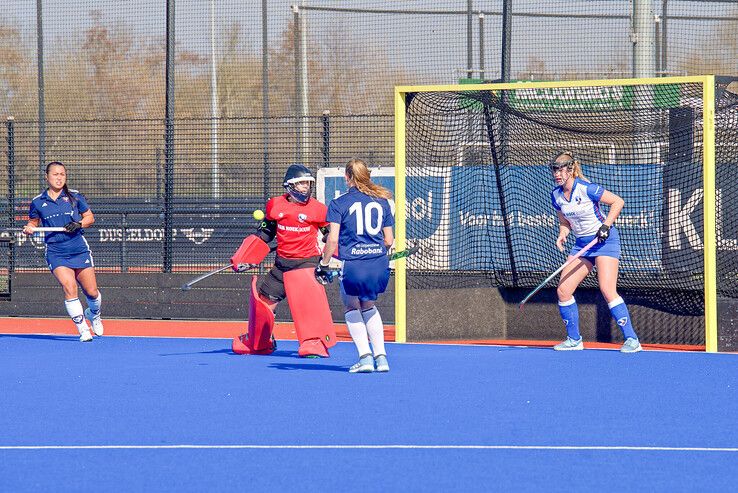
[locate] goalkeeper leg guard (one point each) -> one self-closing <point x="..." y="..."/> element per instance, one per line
<point x="310" y="312"/>
<point x="259" y="339"/>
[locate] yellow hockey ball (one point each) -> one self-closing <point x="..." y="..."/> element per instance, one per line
<point x="258" y="214"/>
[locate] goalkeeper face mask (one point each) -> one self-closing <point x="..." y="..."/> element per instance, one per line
<point x="561" y="169"/>
<point x="297" y="173"/>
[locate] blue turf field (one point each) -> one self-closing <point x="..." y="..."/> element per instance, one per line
<point x="446" y="418"/>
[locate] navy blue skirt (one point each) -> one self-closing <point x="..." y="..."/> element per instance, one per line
<point x="74" y="254"/>
<point x="366" y="278"/>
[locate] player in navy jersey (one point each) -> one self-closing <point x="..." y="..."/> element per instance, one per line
<point x="67" y="253"/>
<point x="577" y="203"/>
<point x="361" y="229"/>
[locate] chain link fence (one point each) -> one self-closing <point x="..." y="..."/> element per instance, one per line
<point x="259" y="85"/>
<point x="120" y="167"/>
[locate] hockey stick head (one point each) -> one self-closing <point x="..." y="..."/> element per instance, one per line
<point x="405" y="253"/>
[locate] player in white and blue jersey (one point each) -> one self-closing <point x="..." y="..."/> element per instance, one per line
<point x="361" y="229"/>
<point x="67" y="253"/>
<point x="577" y="203"/>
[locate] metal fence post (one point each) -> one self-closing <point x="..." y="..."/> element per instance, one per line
<point x="41" y="99"/>
<point x="326" y="138"/>
<point x="10" y="122"/>
<point x="265" y="92"/>
<point x="169" y="141"/>
<point x="481" y="46"/>
<point x="124" y="226"/>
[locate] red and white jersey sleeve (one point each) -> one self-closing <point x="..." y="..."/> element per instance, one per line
<point x="297" y="226"/>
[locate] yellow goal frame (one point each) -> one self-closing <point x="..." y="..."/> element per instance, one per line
<point x="708" y="163"/>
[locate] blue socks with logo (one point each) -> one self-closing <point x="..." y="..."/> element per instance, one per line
<point x="570" y="315"/>
<point x="619" y="312"/>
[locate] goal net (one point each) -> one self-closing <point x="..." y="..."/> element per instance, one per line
<point x="477" y="186"/>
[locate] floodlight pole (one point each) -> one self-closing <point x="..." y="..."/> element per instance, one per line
<point x="215" y="167"/>
<point x="469" y="39"/>
<point x="41" y="100"/>
<point x="481" y="46"/>
<point x="301" y="82"/>
<point x="265" y="92"/>
<point x="506" y="40"/>
<point x="643" y="37"/>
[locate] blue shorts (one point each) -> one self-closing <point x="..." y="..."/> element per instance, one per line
<point x="74" y="254"/>
<point x="366" y="278"/>
<point x="608" y="248"/>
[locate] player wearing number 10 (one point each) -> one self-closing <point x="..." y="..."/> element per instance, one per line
<point x="577" y="204"/>
<point x="361" y="228"/>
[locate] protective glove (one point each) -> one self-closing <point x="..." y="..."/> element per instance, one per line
<point x="603" y="233"/>
<point x="324" y="275"/>
<point x="72" y="227"/>
<point x="242" y="267"/>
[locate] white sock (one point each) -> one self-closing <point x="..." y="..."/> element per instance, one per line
<point x="94" y="303"/>
<point x="375" y="328"/>
<point x="75" y="311"/>
<point x="357" y="329"/>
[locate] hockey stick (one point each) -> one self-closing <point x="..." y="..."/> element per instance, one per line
<point x="334" y="273"/>
<point x="54" y="229"/>
<point x="188" y="286"/>
<point x="405" y="253"/>
<point x="557" y="271"/>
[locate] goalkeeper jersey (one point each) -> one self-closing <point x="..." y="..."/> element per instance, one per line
<point x="297" y="226"/>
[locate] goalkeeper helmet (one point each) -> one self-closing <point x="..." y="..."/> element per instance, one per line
<point x="297" y="173"/>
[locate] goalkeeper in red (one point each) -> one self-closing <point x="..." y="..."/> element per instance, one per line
<point x="294" y="219"/>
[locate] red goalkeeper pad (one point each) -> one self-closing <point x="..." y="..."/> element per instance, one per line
<point x="309" y="306"/>
<point x="252" y="251"/>
<point x="261" y="325"/>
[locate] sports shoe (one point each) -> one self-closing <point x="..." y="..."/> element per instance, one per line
<point x="85" y="335"/>
<point x="570" y="345"/>
<point x="381" y="362"/>
<point x="631" y="345"/>
<point x="364" y="365"/>
<point x="95" y="321"/>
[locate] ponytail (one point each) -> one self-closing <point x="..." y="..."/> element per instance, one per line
<point x="357" y="171"/>
<point x="577" y="171"/>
